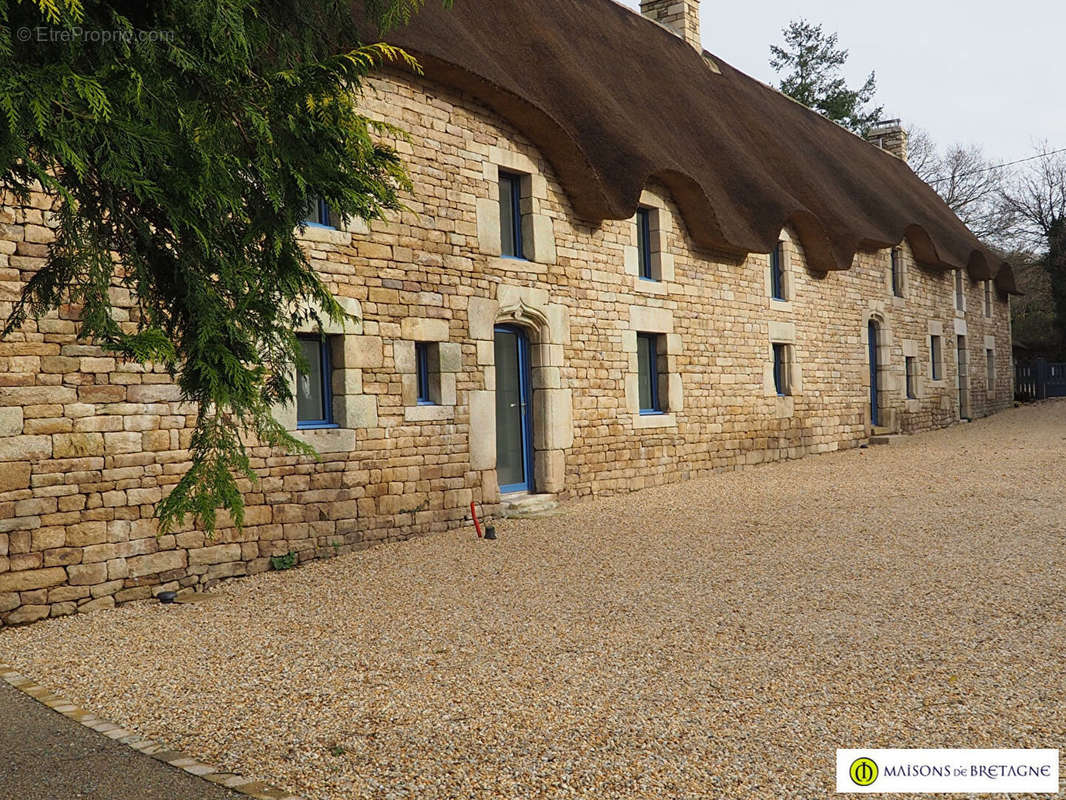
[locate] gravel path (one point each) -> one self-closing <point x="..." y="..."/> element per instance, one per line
<point x="718" y="638"/>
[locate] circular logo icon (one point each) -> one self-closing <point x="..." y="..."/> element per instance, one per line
<point x="863" y="771"/>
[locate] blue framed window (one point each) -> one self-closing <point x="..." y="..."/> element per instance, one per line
<point x="781" y="376"/>
<point x="777" y="272"/>
<point x="422" y="359"/>
<point x="936" y="354"/>
<point x="511" y="245"/>
<point x="314" y="390"/>
<point x="319" y="214"/>
<point x="897" y="273"/>
<point x="648" y="373"/>
<point x="644" y="244"/>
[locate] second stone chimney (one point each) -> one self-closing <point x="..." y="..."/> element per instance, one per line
<point x="680" y="16"/>
<point x="890" y="135"/>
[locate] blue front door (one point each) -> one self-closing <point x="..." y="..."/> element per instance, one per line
<point x="514" y="411"/>
<point x="875" y="414"/>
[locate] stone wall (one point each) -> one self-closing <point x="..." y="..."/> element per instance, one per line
<point x="88" y="445"/>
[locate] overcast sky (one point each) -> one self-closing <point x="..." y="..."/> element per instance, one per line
<point x="981" y="72"/>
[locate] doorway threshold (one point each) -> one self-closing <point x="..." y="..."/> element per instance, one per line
<point x="523" y="505"/>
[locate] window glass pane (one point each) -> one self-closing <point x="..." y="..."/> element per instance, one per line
<point x="310" y="396"/>
<point x="777" y="273"/>
<point x="781" y="369"/>
<point x="318" y="213"/>
<point x="647" y="370"/>
<point x="422" y="352"/>
<point x="934" y="346"/>
<point x="510" y="216"/>
<point x="644" y="242"/>
<point x="311" y="211"/>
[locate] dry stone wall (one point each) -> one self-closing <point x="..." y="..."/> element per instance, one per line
<point x="88" y="445"/>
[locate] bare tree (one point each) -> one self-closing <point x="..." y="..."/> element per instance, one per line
<point x="970" y="184"/>
<point x="923" y="155"/>
<point x="1036" y="196"/>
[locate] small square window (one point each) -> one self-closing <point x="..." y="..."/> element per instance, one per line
<point x="782" y="376"/>
<point x="423" y="358"/>
<point x="644" y="244"/>
<point x="936" y="357"/>
<point x="777" y="272"/>
<point x="511" y="245"/>
<point x="897" y="272"/>
<point x="314" y="397"/>
<point x="319" y="214"/>
<point x="648" y="373"/>
<point x="912" y="378"/>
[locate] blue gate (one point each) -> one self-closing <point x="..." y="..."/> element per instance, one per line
<point x="1040" y="380"/>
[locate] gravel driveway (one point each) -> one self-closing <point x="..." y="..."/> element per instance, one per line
<point x="718" y="638"/>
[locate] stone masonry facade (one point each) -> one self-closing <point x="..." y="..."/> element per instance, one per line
<point x="89" y="445"/>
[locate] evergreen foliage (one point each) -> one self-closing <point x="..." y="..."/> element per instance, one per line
<point x="813" y="65"/>
<point x="182" y="141"/>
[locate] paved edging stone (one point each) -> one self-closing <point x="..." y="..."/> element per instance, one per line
<point x="157" y="750"/>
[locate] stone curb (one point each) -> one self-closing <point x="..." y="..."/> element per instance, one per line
<point x="156" y="750"/>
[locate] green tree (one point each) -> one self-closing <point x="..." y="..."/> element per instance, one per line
<point x="812" y="65"/>
<point x="181" y="141"/>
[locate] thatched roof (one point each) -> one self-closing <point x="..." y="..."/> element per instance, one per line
<point x="613" y="100"/>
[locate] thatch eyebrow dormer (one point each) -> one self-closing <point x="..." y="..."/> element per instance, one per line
<point x="614" y="100"/>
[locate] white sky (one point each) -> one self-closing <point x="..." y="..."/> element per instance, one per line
<point x="970" y="72"/>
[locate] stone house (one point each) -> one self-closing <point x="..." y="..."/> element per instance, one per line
<point x="624" y="264"/>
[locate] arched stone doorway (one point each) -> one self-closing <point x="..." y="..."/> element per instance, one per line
<point x="521" y="338"/>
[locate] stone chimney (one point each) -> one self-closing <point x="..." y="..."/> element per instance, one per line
<point x="680" y="16"/>
<point x="890" y="135"/>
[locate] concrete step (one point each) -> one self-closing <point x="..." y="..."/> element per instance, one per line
<point x="526" y="506"/>
<point x="880" y="430"/>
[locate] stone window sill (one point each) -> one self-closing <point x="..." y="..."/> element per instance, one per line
<point x="784" y="406"/>
<point x="519" y="265"/>
<point x="428" y="413"/>
<point x="318" y="233"/>
<point x="327" y="440"/>
<point x="642" y="421"/>
<point x="649" y="286"/>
